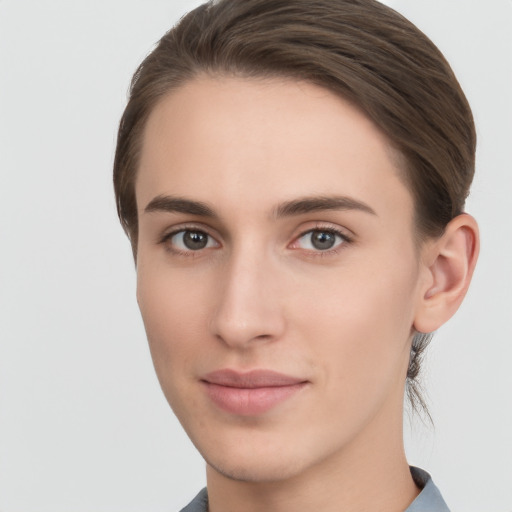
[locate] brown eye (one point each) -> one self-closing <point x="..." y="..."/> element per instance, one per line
<point x="192" y="240"/>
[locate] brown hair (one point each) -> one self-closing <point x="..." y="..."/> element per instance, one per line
<point x="360" y="49"/>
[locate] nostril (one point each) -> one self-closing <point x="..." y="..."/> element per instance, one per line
<point x="263" y="337"/>
<point x="242" y="339"/>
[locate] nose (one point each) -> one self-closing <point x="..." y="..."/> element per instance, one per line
<point x="249" y="304"/>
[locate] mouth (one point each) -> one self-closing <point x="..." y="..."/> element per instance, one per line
<point x="250" y="393"/>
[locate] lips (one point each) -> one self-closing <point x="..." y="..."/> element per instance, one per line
<point x="250" y="393"/>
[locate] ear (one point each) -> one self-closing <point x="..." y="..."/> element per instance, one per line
<point x="449" y="262"/>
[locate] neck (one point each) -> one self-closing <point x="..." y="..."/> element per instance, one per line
<point x="370" y="474"/>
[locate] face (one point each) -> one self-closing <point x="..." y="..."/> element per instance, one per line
<point x="277" y="274"/>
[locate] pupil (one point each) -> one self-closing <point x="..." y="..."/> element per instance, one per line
<point x="322" y="240"/>
<point x="195" y="240"/>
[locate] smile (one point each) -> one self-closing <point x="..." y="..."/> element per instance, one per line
<point x="250" y="393"/>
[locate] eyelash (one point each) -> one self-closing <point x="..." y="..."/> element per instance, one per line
<point x="345" y="239"/>
<point x="165" y="240"/>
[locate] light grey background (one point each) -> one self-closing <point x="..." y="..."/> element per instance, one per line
<point x="83" y="424"/>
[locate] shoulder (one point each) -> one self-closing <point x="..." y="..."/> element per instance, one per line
<point x="199" y="503"/>
<point x="429" y="499"/>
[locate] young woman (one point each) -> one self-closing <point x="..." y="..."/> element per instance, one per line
<point x="292" y="177"/>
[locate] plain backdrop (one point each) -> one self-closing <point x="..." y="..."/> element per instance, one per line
<point x="83" y="423"/>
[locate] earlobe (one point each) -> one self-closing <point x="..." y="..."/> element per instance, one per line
<point x="450" y="263"/>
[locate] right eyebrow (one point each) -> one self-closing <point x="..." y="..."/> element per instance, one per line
<point x="172" y="204"/>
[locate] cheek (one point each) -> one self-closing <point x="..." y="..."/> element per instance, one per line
<point x="173" y="307"/>
<point x="357" y="328"/>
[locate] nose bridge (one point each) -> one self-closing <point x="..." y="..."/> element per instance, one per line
<point x="248" y="307"/>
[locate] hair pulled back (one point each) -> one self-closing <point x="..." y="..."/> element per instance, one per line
<point x="359" y="49"/>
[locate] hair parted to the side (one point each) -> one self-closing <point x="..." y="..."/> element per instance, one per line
<point x="359" y="49"/>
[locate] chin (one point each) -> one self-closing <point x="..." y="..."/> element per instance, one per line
<point x="258" y="458"/>
<point x="263" y="470"/>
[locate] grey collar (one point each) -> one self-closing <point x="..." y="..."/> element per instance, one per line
<point x="428" y="500"/>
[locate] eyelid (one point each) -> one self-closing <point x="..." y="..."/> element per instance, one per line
<point x="346" y="235"/>
<point x="165" y="238"/>
<point x="187" y="226"/>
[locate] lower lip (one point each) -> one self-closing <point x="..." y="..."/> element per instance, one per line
<point x="250" y="401"/>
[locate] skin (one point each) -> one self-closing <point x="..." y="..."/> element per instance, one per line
<point x="261" y="295"/>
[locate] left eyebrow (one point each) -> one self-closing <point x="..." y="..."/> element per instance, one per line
<point x="318" y="203"/>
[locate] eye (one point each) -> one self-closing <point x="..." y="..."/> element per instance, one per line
<point x="188" y="240"/>
<point x="320" y="240"/>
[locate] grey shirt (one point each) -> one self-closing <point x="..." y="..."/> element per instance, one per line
<point x="428" y="500"/>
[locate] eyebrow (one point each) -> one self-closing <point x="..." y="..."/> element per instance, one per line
<point x="173" y="204"/>
<point x="318" y="203"/>
<point x="301" y="206"/>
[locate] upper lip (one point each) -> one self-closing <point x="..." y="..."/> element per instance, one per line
<point x="251" y="379"/>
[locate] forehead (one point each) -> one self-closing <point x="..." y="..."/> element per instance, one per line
<point x="248" y="144"/>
